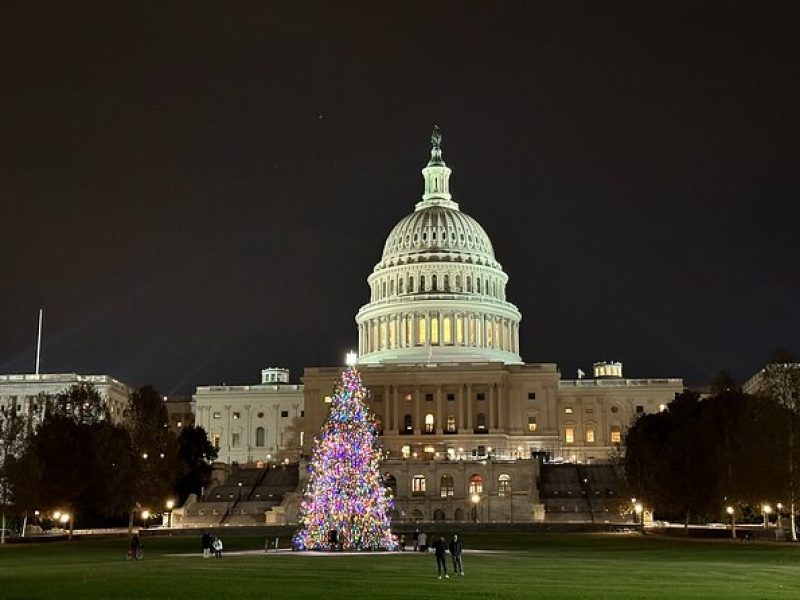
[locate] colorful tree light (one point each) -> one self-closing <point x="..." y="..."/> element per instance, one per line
<point x="345" y="492"/>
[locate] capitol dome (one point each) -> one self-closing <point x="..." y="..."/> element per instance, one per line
<point x="438" y="293"/>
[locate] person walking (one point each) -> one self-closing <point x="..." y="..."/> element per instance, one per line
<point x="206" y="542"/>
<point x="217" y="545"/>
<point x="135" y="552"/>
<point x="415" y="539"/>
<point x="440" y="548"/>
<point x="455" y="552"/>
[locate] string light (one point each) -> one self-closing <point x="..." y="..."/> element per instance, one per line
<point x="345" y="492"/>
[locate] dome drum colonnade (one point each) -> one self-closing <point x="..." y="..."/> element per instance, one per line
<point x="438" y="293"/>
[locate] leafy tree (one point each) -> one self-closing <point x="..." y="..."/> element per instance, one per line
<point x="779" y="380"/>
<point x="81" y="403"/>
<point x="156" y="451"/>
<point x="724" y="382"/>
<point x="195" y="455"/>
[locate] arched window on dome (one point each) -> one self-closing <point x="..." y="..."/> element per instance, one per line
<point x="472" y="330"/>
<point x="408" y="329"/>
<point x="391" y="287"/>
<point x="478" y="285"/>
<point x="383" y="289"/>
<point x="459" y="330"/>
<point x="489" y="334"/>
<point x="469" y="284"/>
<point x="446" y="283"/>
<point x="411" y="285"/>
<point x="383" y="335"/>
<point x="435" y="330"/>
<point x="422" y="283"/>
<point x="458" y="283"/>
<point x="422" y="331"/>
<point x="400" y="285"/>
<point x="447" y="330"/>
<point x="433" y="283"/>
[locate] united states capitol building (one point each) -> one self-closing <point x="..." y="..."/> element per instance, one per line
<point x="464" y="422"/>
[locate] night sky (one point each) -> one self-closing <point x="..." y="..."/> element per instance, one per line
<point x="195" y="191"/>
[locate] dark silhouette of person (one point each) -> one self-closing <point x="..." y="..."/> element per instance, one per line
<point x="455" y="552"/>
<point x="440" y="548"/>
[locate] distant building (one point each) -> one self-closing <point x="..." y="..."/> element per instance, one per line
<point x="23" y="393"/>
<point x="252" y="424"/>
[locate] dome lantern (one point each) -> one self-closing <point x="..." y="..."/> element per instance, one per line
<point x="437" y="177"/>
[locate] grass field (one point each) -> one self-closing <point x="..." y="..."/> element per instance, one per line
<point x="541" y="566"/>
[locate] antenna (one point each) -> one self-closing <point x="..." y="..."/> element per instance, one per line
<point x="39" y="341"/>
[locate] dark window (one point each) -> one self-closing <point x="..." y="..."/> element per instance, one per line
<point x="481" y="396"/>
<point x="451" y="396"/>
<point x="284" y="413"/>
<point x="640" y="409"/>
<point x="429" y="397"/>
<point x="376" y="397"/>
<point x="302" y="413"/>
<point x="531" y="395"/>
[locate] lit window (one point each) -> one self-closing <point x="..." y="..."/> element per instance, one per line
<point x="446" y="486"/>
<point x="459" y="330"/>
<point x="422" y="331"/>
<point x="590" y="435"/>
<point x="475" y="484"/>
<point x="451" y="423"/>
<point x="418" y="485"/>
<point x="532" y="424"/>
<point x="569" y="435"/>
<point x="662" y="407"/>
<point x="429" y="423"/>
<point x="429" y="450"/>
<point x="448" y="330"/>
<point x="237" y="415"/>
<point x="328" y="400"/>
<point x="568" y="410"/>
<point x="489" y="334"/>
<point x="216" y="441"/>
<point x="616" y="434"/>
<point x="408" y="331"/>
<point x="179" y="424"/>
<point x="504" y="485"/>
<point x="435" y="331"/>
<point x="216" y="415"/>
<point x="408" y="398"/>
<point x="406" y="451"/>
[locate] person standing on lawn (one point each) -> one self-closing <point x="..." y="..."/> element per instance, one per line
<point x="455" y="552"/>
<point x="440" y="549"/>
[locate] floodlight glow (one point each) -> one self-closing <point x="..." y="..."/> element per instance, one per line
<point x="145" y="514"/>
<point x="729" y="510"/>
<point x="351" y="358"/>
<point x="170" y="504"/>
<point x="476" y="498"/>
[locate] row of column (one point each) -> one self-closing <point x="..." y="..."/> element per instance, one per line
<point x="438" y="329"/>
<point x="395" y="407"/>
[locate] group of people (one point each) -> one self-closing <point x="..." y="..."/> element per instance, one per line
<point x="211" y="544"/>
<point x="440" y="548"/>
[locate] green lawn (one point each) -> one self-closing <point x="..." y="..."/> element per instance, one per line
<point x="531" y="566"/>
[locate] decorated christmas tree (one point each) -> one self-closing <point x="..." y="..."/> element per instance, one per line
<point x="345" y="493"/>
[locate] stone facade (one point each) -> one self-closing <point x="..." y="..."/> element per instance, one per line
<point x="252" y="424"/>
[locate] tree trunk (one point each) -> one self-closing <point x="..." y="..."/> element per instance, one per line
<point x="686" y="522"/>
<point x="24" y="524"/>
<point x="3" y="527"/>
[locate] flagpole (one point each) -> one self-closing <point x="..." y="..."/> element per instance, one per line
<point x="39" y="341"/>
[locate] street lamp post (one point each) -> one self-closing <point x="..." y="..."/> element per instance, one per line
<point x="170" y="506"/>
<point x="476" y="500"/>
<point x="731" y="514"/>
<point x="638" y="509"/>
<point x="145" y="516"/>
<point x="767" y="509"/>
